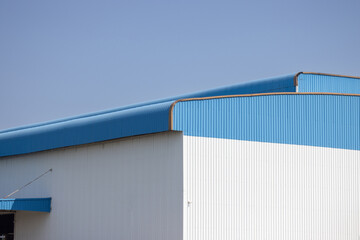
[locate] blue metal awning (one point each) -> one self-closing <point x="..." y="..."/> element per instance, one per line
<point x="26" y="204"/>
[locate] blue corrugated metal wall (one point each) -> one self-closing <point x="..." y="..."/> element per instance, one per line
<point x="325" y="83"/>
<point x="315" y="120"/>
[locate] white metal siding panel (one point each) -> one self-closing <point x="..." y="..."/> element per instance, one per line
<point x="252" y="190"/>
<point x="123" y="189"/>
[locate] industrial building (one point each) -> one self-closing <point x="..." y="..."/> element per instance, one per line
<point x="273" y="159"/>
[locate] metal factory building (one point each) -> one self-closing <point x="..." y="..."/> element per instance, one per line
<point x="274" y="159"/>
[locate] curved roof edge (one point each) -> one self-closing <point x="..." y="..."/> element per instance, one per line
<point x="275" y="84"/>
<point x="130" y="122"/>
<point x="137" y="119"/>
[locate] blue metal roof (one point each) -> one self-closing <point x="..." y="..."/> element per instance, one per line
<point x="144" y="118"/>
<point x="276" y="84"/>
<point x="26" y="204"/>
<point x="127" y="121"/>
<point x="82" y="130"/>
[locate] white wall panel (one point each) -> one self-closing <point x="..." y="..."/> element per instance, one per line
<point x="124" y="189"/>
<point x="250" y="190"/>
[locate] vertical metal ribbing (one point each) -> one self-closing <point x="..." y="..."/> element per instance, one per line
<point x="251" y="190"/>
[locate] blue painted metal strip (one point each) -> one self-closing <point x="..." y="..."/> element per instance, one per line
<point x="130" y="122"/>
<point x="308" y="82"/>
<point x="314" y="120"/>
<point x="26" y="204"/>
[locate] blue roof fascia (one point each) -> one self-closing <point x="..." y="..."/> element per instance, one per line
<point x="26" y="204"/>
<point x="130" y="122"/>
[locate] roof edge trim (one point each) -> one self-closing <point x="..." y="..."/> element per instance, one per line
<point x="171" y="109"/>
<point x="296" y="83"/>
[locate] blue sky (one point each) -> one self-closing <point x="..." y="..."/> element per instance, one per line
<point x="64" y="58"/>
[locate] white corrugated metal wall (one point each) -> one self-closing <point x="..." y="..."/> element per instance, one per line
<point x="124" y="189"/>
<point x="233" y="189"/>
<point x="237" y="189"/>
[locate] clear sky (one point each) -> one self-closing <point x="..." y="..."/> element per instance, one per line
<point x="68" y="57"/>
